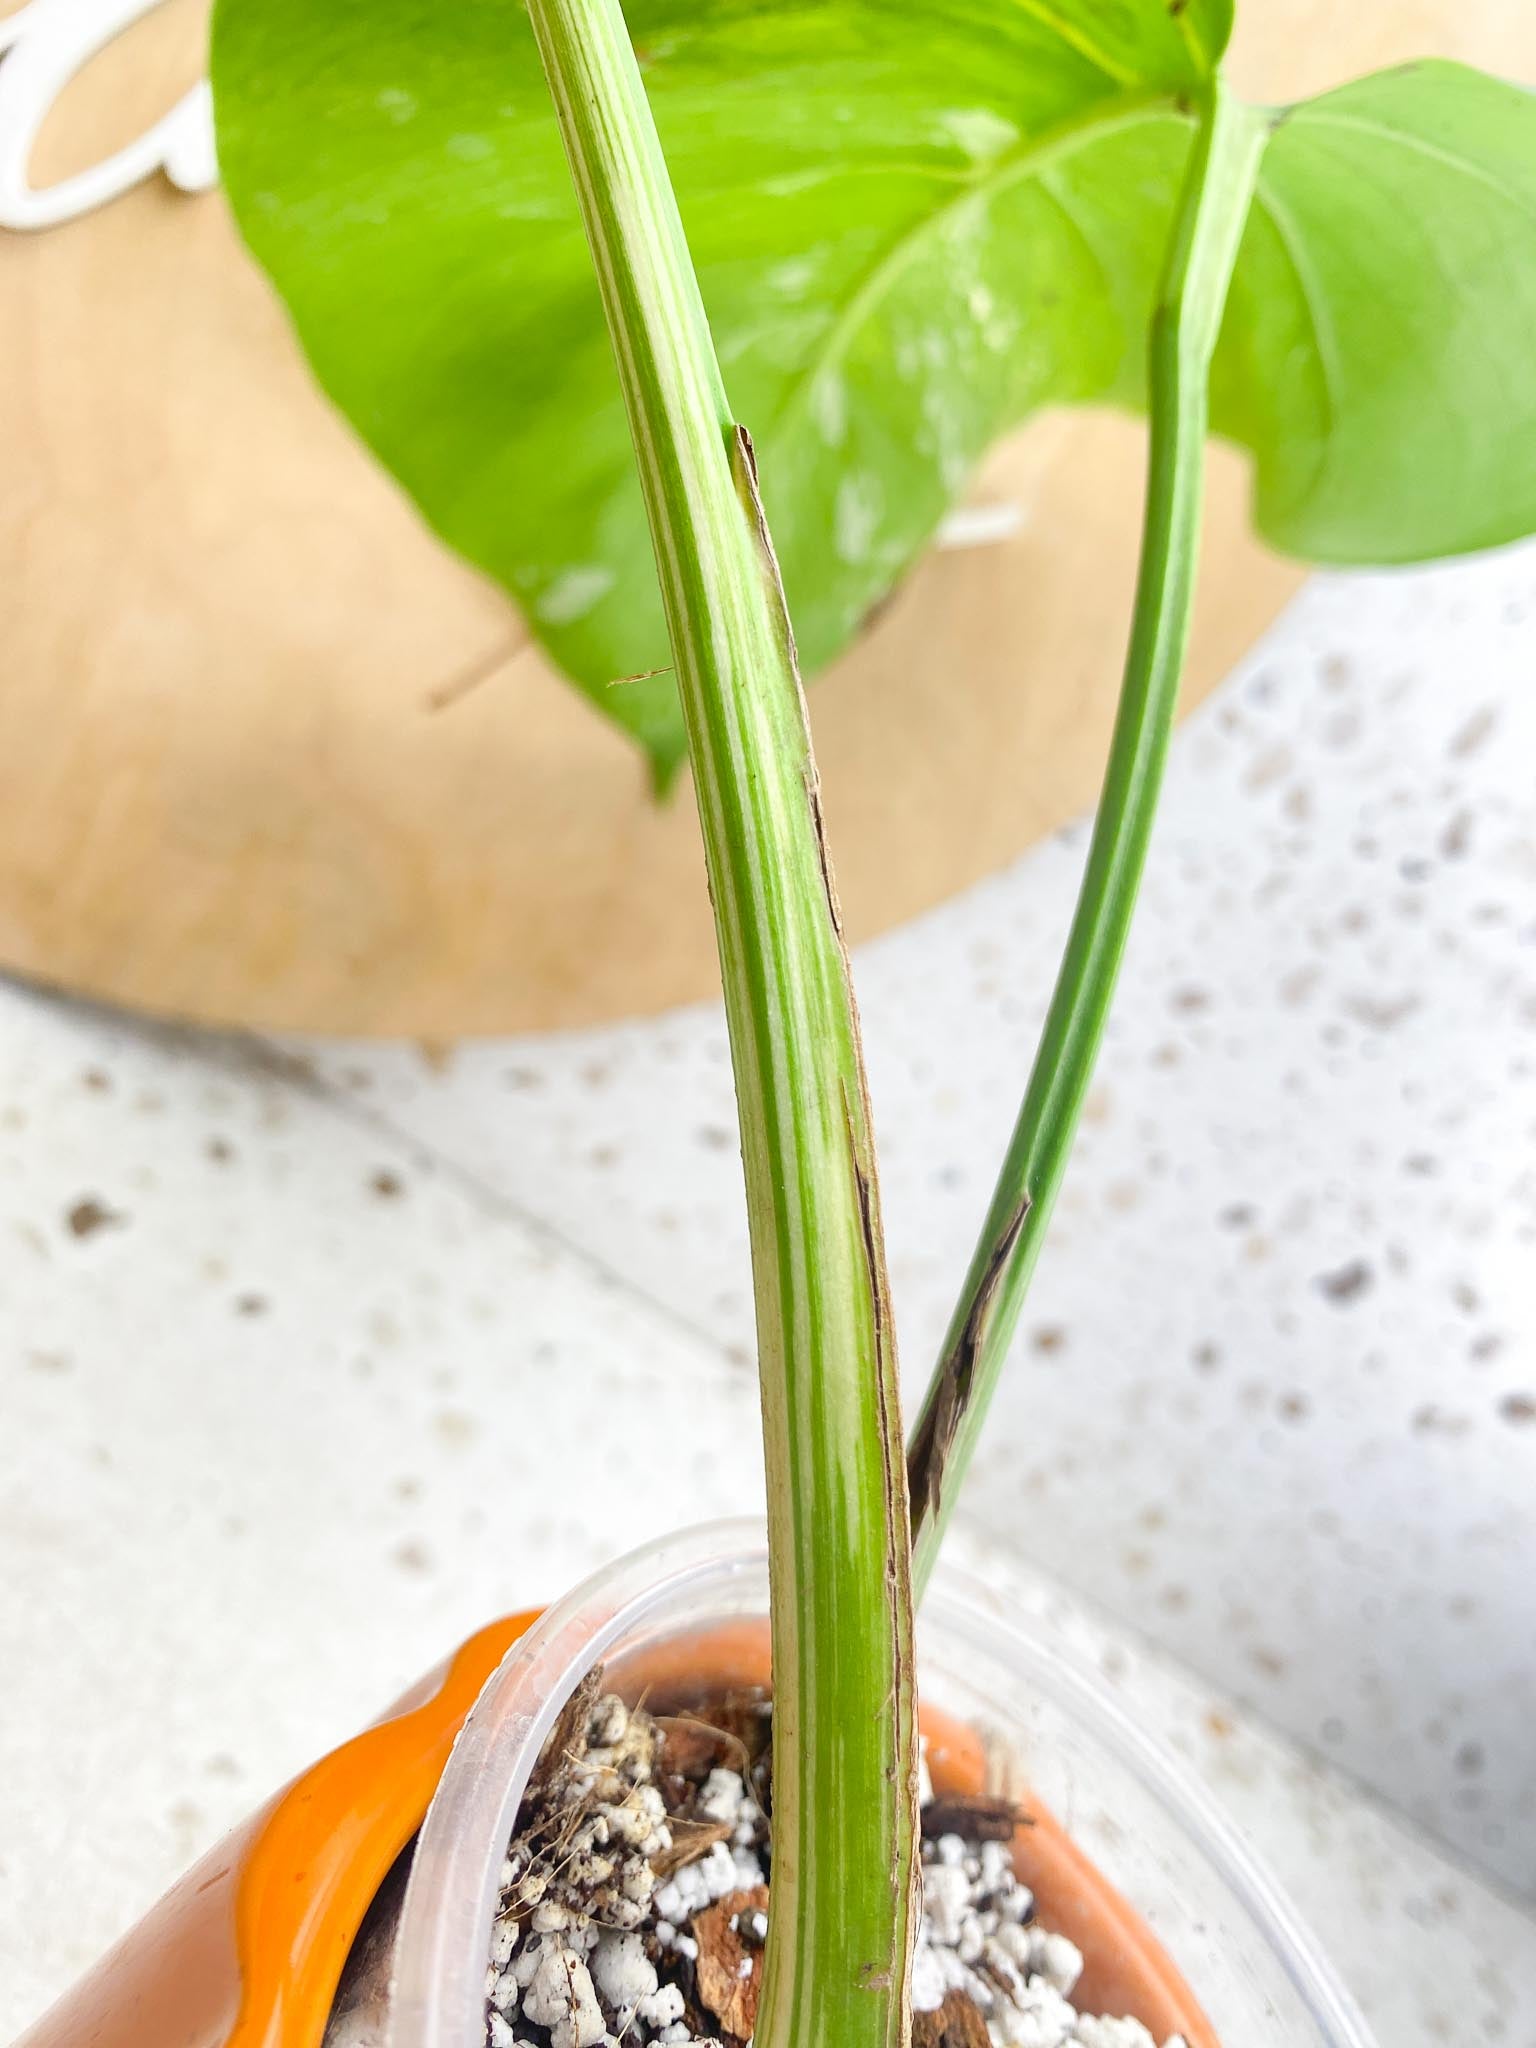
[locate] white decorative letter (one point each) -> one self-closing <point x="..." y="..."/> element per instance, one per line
<point x="42" y="46"/>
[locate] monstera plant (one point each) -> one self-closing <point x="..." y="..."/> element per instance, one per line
<point x="896" y="231"/>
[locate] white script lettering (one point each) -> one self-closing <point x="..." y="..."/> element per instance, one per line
<point x="43" y="45"/>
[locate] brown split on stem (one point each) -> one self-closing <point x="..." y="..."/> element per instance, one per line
<point x="879" y="1300"/>
<point x="813" y="797"/>
<point x="881" y="1973"/>
<point x="744" y="463"/>
<point x="744" y="466"/>
<point x="955" y="1386"/>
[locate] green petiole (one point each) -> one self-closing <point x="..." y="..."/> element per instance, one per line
<point x="844" y="1739"/>
<point x="1213" y="209"/>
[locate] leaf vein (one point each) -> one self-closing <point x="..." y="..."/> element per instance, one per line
<point x="1075" y="39"/>
<point x="1032" y="158"/>
<point x="1313" y="305"/>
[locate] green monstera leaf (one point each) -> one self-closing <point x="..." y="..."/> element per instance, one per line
<point x="913" y="226"/>
<point x="1377" y="354"/>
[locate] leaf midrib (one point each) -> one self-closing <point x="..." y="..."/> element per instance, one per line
<point x="1268" y="202"/>
<point x="1029" y="159"/>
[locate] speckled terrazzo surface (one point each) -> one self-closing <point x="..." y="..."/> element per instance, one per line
<point x="252" y="1305"/>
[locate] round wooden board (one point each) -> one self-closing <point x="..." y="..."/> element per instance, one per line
<point x="273" y="758"/>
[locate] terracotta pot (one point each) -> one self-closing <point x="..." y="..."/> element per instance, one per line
<point x="274" y="758"/>
<point x="249" y="1949"/>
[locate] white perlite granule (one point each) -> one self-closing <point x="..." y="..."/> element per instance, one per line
<point x="978" y="1935"/>
<point x="568" y="1967"/>
<point x="586" y="1932"/>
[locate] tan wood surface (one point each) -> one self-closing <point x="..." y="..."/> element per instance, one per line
<point x="270" y="756"/>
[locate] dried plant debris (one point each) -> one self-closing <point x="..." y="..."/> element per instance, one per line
<point x="728" y="1970"/>
<point x="973" y="1816"/>
<point x="954" y="2023"/>
<point x="635" y="1899"/>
